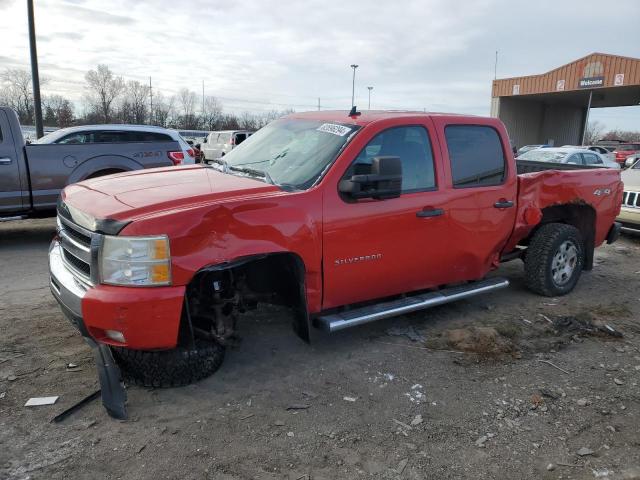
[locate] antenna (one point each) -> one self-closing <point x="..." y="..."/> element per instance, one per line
<point x="354" y="112"/>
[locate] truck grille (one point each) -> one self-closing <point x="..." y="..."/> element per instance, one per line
<point x="76" y="249"/>
<point x="631" y="199"/>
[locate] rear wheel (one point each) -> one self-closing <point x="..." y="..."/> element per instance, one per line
<point x="554" y="260"/>
<point x="170" y="368"/>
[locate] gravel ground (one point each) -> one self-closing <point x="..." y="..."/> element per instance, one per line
<point x="545" y="393"/>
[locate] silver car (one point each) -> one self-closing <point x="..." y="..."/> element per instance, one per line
<point x="93" y="134"/>
<point x="218" y="144"/>
<point x="569" y="155"/>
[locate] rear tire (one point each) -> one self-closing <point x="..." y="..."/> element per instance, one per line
<point x="169" y="368"/>
<point x="554" y="260"/>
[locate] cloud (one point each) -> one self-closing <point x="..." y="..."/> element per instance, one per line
<point x="267" y="54"/>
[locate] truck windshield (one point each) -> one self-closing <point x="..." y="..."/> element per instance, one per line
<point x="288" y="152"/>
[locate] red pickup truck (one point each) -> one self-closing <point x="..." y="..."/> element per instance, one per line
<point x="344" y="217"/>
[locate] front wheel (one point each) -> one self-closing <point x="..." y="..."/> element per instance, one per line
<point x="554" y="260"/>
<point x="170" y="368"/>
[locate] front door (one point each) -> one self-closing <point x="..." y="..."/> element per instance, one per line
<point x="377" y="248"/>
<point x="10" y="180"/>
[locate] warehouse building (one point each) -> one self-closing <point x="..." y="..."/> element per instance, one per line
<point x="553" y="108"/>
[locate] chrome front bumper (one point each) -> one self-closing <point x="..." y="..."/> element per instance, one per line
<point x="66" y="289"/>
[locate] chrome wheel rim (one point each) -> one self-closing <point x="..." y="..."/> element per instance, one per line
<point x="564" y="263"/>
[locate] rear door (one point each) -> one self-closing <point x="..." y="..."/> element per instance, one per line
<point x="11" y="188"/>
<point x="377" y="248"/>
<point x="481" y="180"/>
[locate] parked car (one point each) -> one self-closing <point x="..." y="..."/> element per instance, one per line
<point x="630" y="211"/>
<point x="195" y="144"/>
<point x="31" y="176"/>
<point x="569" y="155"/>
<point x="624" y="150"/>
<point x="218" y="144"/>
<point x="527" y="148"/>
<point x="606" y="152"/>
<point x="91" y="134"/>
<point x="344" y="219"/>
<point x="631" y="160"/>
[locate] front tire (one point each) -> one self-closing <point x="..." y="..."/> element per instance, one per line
<point x="169" y="368"/>
<point x="554" y="260"/>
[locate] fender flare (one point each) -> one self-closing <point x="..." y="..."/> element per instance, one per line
<point x="103" y="162"/>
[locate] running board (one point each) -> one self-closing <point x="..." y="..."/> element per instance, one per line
<point x="11" y="219"/>
<point x="358" y="316"/>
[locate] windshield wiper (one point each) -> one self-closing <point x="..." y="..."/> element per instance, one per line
<point x="223" y="162"/>
<point x="253" y="172"/>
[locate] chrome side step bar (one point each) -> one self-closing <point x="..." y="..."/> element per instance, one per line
<point x="358" y="316"/>
<point x="11" y="219"/>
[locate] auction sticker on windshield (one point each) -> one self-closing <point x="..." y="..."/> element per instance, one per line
<point x="339" y="130"/>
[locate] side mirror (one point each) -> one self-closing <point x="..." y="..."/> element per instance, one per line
<point x="197" y="145"/>
<point x="629" y="162"/>
<point x="384" y="181"/>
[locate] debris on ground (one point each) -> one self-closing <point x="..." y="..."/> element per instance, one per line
<point x="584" y="451"/>
<point x="298" y="406"/>
<point x="349" y="399"/>
<point x="417" y="420"/>
<point x="617" y="381"/>
<point x="77" y="406"/>
<point x="39" y="401"/>
<point x="410" y="332"/>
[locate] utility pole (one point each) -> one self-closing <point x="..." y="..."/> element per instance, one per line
<point x="203" y="97"/>
<point x="35" y="78"/>
<point x="318" y="103"/>
<point x="495" y="67"/>
<point x="151" y="102"/>
<point x="370" y="88"/>
<point x="353" y="85"/>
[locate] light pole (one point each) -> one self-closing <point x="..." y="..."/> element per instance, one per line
<point x="353" y="85"/>
<point x="370" y="88"/>
<point x="34" y="71"/>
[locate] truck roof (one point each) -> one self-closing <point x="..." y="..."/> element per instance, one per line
<point x="368" y="116"/>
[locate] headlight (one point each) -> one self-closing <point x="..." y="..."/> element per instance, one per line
<point x="135" y="261"/>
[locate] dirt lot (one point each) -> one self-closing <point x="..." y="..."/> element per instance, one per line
<point x="545" y="383"/>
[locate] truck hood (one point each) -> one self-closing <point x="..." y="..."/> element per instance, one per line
<point x="129" y="195"/>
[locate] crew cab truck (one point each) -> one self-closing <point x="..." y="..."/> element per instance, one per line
<point x="31" y="176"/>
<point x="344" y="218"/>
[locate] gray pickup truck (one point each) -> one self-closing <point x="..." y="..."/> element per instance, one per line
<point x="31" y="176"/>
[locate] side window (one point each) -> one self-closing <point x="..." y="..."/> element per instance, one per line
<point x="110" y="136"/>
<point x="413" y="147"/>
<point x="591" y="159"/>
<point x="79" y="137"/>
<point x="240" y="137"/>
<point x="476" y="156"/>
<point x="575" y="159"/>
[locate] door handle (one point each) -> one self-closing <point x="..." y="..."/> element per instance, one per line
<point x="430" y="212"/>
<point x="5" y="160"/>
<point x="502" y="203"/>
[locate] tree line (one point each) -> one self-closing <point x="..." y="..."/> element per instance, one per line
<point x="108" y="98"/>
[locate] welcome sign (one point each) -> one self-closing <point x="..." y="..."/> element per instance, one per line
<point x="591" y="82"/>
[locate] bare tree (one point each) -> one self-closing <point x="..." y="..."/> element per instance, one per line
<point x="103" y="88"/>
<point x="18" y="94"/>
<point x="593" y="133"/>
<point x="58" y="111"/>
<point x="163" y="110"/>
<point x="212" y="113"/>
<point x="187" y="100"/>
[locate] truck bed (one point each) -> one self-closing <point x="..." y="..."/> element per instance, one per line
<point x="531" y="166"/>
<point x="540" y="188"/>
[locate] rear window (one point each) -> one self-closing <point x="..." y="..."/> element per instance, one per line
<point x="476" y="155"/>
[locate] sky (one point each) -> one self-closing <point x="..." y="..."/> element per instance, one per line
<point x="262" y="55"/>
